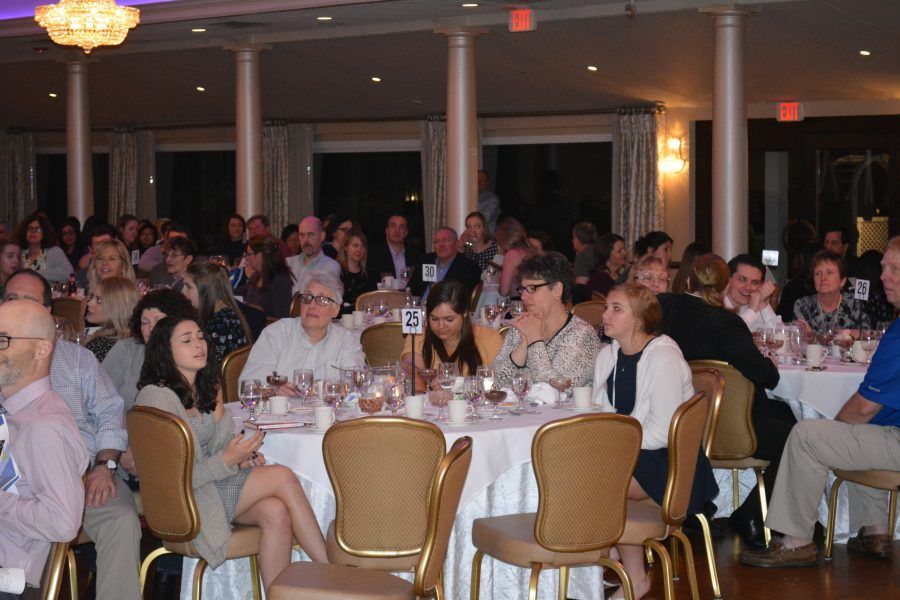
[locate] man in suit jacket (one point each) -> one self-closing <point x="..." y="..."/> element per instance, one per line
<point x="708" y="332"/>
<point x="448" y="262"/>
<point x="391" y="257"/>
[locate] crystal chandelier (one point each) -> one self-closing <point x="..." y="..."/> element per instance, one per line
<point x="87" y="23"/>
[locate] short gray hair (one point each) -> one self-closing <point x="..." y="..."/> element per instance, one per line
<point x="448" y="228"/>
<point x="323" y="278"/>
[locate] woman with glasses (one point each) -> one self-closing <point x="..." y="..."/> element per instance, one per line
<point x="232" y="483"/>
<point x="69" y="233"/>
<point x="109" y="259"/>
<point x="651" y="273"/>
<point x="310" y="341"/>
<point x="110" y="306"/>
<point x="269" y="287"/>
<point x="449" y="335"/>
<point x="207" y="288"/>
<point x="179" y="254"/>
<point x="37" y="239"/>
<point x="547" y="341"/>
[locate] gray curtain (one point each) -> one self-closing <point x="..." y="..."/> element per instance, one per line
<point x="123" y="173"/>
<point x="636" y="174"/>
<point x="18" y="190"/>
<point x="276" y="178"/>
<point x="434" y="174"/>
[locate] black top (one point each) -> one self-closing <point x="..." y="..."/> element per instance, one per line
<point x="356" y="284"/>
<point x="275" y="300"/>
<point x="381" y="260"/>
<point x="621" y="386"/>
<point x="232" y="250"/>
<point x="461" y="269"/>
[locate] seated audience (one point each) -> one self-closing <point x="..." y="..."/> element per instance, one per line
<point x="127" y="232"/>
<point x="512" y="242"/>
<point x="448" y="262"/>
<point x="147" y="237"/>
<point x="611" y="261"/>
<point x="124" y="362"/>
<point x="651" y="273"/>
<point x="356" y="277"/>
<point x="748" y="293"/>
<point x="643" y="375"/>
<point x="69" y="234"/>
<point x="40" y="252"/>
<point x="96" y="235"/>
<point x="450" y="335"/>
<point x="10" y="257"/>
<point x="179" y="252"/>
<point x="109" y="259"/>
<point x="269" y="288"/>
<point x="232" y="483"/>
<point x="310" y="341"/>
<point x="335" y="231"/>
<point x="258" y="225"/>
<point x="483" y="248"/>
<point x="800" y="283"/>
<point x="206" y="286"/>
<point x="153" y="257"/>
<point x="830" y="307"/>
<point x="46" y="503"/>
<point x="704" y="330"/>
<point x="290" y="235"/>
<point x="311" y="257"/>
<point x="109" y="307"/>
<point x="547" y="340"/>
<point x="690" y="254"/>
<point x="655" y="243"/>
<point x="540" y="242"/>
<point x="394" y="255"/>
<point x="864" y="435"/>
<point x="584" y="242"/>
<point x="231" y="242"/>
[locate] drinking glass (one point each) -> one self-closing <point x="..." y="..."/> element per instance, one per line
<point x="427" y="376"/>
<point x="827" y="336"/>
<point x="382" y="308"/>
<point x="845" y="343"/>
<point x="503" y="303"/>
<point x="521" y="383"/>
<point x="303" y="382"/>
<point x="491" y="311"/>
<point x="371" y="404"/>
<point x="394" y="397"/>
<point x="882" y="328"/>
<point x="60" y="325"/>
<point x="439" y="398"/>
<point x="369" y="314"/>
<point x="331" y="393"/>
<point x="405" y="275"/>
<point x="447" y="372"/>
<point x="472" y="391"/>
<point x="765" y="334"/>
<point x="495" y="397"/>
<point x="869" y="340"/>
<point x="560" y="384"/>
<point x="516" y="308"/>
<point x="250" y="395"/>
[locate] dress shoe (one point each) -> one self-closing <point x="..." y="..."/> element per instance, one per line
<point x="750" y="530"/>
<point x="776" y="555"/>
<point x="878" y="545"/>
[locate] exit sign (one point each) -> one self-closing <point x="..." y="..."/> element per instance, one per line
<point x="789" y="111"/>
<point x="522" y="19"/>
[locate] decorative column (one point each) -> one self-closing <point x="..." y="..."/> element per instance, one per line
<point x="79" y="172"/>
<point x="462" y="126"/>
<point x="248" y="130"/>
<point x="729" y="148"/>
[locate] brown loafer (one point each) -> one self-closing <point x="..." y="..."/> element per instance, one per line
<point x="878" y="545"/>
<point x="776" y="555"/>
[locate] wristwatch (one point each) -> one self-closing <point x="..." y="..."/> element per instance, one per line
<point x="112" y="465"/>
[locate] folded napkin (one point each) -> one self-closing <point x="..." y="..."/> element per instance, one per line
<point x="540" y="393"/>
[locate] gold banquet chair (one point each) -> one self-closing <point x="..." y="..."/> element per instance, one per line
<point x="51" y="581"/>
<point x="733" y="442"/>
<point x="329" y="581"/>
<point x="649" y="524"/>
<point x="581" y="502"/>
<point x="164" y="455"/>
<point x="382" y="343"/>
<point x="392" y="298"/>
<point x="294" y="310"/>
<point x="231" y="368"/>
<point x="591" y="311"/>
<point x="873" y="478"/>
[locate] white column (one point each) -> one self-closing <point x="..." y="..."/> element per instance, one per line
<point x="729" y="148"/>
<point x="79" y="172"/>
<point x="248" y="130"/>
<point x="462" y="127"/>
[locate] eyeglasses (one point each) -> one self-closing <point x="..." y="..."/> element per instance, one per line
<point x="320" y="300"/>
<point x="647" y="278"/>
<point x="530" y="288"/>
<point x="5" y="339"/>
<point x="172" y="255"/>
<point x="35" y="229"/>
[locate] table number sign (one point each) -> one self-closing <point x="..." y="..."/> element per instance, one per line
<point x="411" y="320"/>
<point x="429" y="273"/>
<point x="861" y="289"/>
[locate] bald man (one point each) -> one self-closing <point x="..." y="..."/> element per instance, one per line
<point x="47" y="502"/>
<point x="311" y="257"/>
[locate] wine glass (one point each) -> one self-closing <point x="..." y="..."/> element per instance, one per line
<point x="382" y="308"/>
<point x="827" y="335"/>
<point x="503" y="303"/>
<point x="394" y="397"/>
<point x="303" y="382"/>
<point x="765" y="334"/>
<point x="495" y="397"/>
<point x="371" y="404"/>
<point x="439" y="398"/>
<point x="774" y="344"/>
<point x="369" y="314"/>
<point x="485" y="377"/>
<point x="447" y="372"/>
<point x="869" y="341"/>
<point x="881" y="327"/>
<point x="516" y="308"/>
<point x="521" y="383"/>
<point x="560" y="384"/>
<point x="405" y="275"/>
<point x="331" y="393"/>
<point x="491" y="311"/>
<point x="250" y="395"/>
<point x="60" y="325"/>
<point x="845" y="343"/>
<point x="427" y="376"/>
<point x="472" y="391"/>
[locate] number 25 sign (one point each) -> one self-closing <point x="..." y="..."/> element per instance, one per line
<point x="411" y="320"/>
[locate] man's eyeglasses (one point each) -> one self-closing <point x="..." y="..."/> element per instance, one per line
<point x="530" y="288"/>
<point x="647" y="278"/>
<point x="320" y="300"/>
<point x="171" y="255"/>
<point x="5" y="339"/>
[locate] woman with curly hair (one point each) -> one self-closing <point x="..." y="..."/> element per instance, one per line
<point x="40" y="252"/>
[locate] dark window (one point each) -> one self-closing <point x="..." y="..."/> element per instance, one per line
<point x="50" y="179"/>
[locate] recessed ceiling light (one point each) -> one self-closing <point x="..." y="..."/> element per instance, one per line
<point x="323" y="18"/>
<point x="52" y="94"/>
<point x="470" y="5"/>
<point x="200" y="88"/>
<point x="376" y="79"/>
<point x="591" y="68"/>
<point x="198" y="30"/>
<point x="865" y="52"/>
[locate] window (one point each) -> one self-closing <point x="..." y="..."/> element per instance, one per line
<point x="52" y="193"/>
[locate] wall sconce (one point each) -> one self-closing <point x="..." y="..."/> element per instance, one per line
<point x="671" y="161"/>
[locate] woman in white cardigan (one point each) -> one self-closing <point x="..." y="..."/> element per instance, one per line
<point x="645" y="376"/>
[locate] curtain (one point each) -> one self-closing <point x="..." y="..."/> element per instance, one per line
<point x="123" y="168"/>
<point x="434" y="174"/>
<point x="300" y="167"/>
<point x="19" y="191"/>
<point x="276" y="178"/>
<point x="636" y="173"/>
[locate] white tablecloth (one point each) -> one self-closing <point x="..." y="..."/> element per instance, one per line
<point x="500" y="481"/>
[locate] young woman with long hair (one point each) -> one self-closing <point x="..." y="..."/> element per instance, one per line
<point x="110" y="306"/>
<point x="356" y="277"/>
<point x="207" y="288"/>
<point x="269" y="287"/>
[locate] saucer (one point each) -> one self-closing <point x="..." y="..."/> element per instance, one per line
<point x="448" y="422"/>
<point x="585" y="409"/>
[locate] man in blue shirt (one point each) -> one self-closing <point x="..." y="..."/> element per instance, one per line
<point x="864" y="435"/>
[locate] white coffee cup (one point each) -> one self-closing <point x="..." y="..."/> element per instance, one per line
<point x="395" y="314"/>
<point x="581" y="396"/>
<point x="415" y="406"/>
<point x="857" y="352"/>
<point x="358" y="318"/>
<point x="279" y="405"/>
<point x="324" y="417"/>
<point x="814" y="354"/>
<point x="459" y="411"/>
<point x="388" y="281"/>
<point x="347" y="321"/>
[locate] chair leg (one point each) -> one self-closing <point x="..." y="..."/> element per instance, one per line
<point x="832" y="511"/>
<point x="439" y="587"/>
<point x="763" y="504"/>
<point x="197" y="592"/>
<point x="563" y="583"/>
<point x="533" y="581"/>
<point x="73" y="574"/>
<point x="676" y="559"/>
<point x="688" y="562"/>
<point x="668" y="582"/>
<point x="145" y="566"/>
<point x="648" y="555"/>
<point x="618" y="569"/>
<point x="255" y="577"/>
<point x="892" y="513"/>
<point x="476" y="575"/>
<point x="735" y="489"/>
<point x="710" y="557"/>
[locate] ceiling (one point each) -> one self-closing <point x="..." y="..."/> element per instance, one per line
<point x="315" y="71"/>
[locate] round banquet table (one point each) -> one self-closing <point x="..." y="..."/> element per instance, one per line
<point x="811" y="395"/>
<point x="500" y="482"/>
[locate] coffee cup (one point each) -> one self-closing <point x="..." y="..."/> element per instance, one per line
<point x="358" y="318"/>
<point x="395" y="314"/>
<point x="415" y="406"/>
<point x="347" y="321"/>
<point x="581" y="396"/>
<point x="279" y="405"/>
<point x="388" y="282"/>
<point x="459" y="411"/>
<point x="814" y="354"/>
<point x="857" y="352"/>
<point x="324" y="417"/>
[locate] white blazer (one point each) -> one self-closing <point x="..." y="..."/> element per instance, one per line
<point x="663" y="383"/>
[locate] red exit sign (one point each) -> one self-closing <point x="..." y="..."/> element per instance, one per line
<point x="789" y="111"/>
<point x="522" y="19"/>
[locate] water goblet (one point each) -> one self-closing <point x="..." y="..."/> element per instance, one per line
<point x="332" y="393"/>
<point x="521" y="384"/>
<point x="394" y="397"/>
<point x="447" y="372"/>
<point x="516" y="308"/>
<point x="495" y="397"/>
<point x="503" y="303"/>
<point x="369" y="314"/>
<point x="472" y="391"/>
<point x="439" y="398"/>
<point x="491" y="312"/>
<point x="560" y="384"/>
<point x="250" y="394"/>
<point x="303" y="382"/>
<point x="869" y="341"/>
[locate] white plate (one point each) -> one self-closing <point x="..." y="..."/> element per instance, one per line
<point x="468" y="421"/>
<point x="576" y="409"/>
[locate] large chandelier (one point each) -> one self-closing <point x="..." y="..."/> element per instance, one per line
<point x="87" y="23"/>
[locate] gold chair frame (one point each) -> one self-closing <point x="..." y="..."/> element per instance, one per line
<point x="381" y="356"/>
<point x="588" y="310"/>
<point x="862" y="478"/>
<point x="393" y="298"/>
<point x="236" y="359"/>
<point x="294" y="310"/>
<point x="51" y="581"/>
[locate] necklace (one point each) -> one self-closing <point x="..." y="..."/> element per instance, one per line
<point x="828" y="318"/>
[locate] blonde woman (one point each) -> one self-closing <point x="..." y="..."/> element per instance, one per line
<point x="110" y="259"/>
<point x="110" y="306"/>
